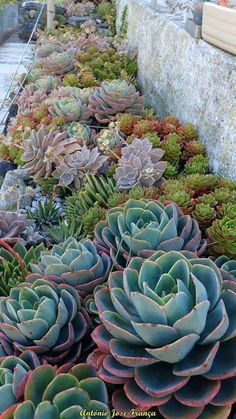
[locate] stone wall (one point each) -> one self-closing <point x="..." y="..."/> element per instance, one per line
<point x="187" y="78"/>
<point x="8" y="21"/>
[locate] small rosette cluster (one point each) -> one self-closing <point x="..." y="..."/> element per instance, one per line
<point x="46" y="319"/>
<point x="168" y="337"/>
<point x="141" y="227"/>
<point x="77" y="264"/>
<point x="49" y="394"/>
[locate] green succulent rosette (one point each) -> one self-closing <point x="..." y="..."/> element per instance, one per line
<point x="168" y="337"/>
<point x="222" y="237"/>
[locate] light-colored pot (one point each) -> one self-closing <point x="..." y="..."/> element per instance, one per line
<point x="219" y="27"/>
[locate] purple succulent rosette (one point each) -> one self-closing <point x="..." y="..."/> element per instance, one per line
<point x="141" y="227"/>
<point x="46" y="319"/>
<point x="169" y="337"/>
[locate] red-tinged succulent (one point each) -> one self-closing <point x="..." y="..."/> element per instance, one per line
<point x="187" y="132"/>
<point x="115" y="97"/>
<point x="46" y="319"/>
<point x="222" y="237"/>
<point x="14" y="372"/>
<point x="126" y="122"/>
<point x="57" y="395"/>
<point x="192" y="148"/>
<point x="139" y="228"/>
<point x="168" y="337"/>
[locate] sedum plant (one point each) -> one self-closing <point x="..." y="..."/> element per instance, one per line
<point x="140" y="165"/>
<point x="77" y="264"/>
<point x="168" y="337"/>
<point x="46" y="319"/>
<point x="227" y="210"/>
<point x="60" y="395"/>
<point x="204" y="215"/>
<point x="197" y="164"/>
<point x="222" y="237"/>
<point x="115" y="97"/>
<point x="44" y="150"/>
<point x="139" y="228"/>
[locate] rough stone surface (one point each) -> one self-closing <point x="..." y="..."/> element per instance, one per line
<point x="12" y="189"/>
<point x="186" y="77"/>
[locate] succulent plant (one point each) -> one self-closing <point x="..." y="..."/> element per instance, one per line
<point x="227" y="210"/>
<point x="115" y="97"/>
<point x="139" y="165"/>
<point x="197" y="164"/>
<point x="46" y="213"/>
<point x="192" y="148"/>
<point x="172" y="149"/>
<point x="65" y="229"/>
<point x="77" y="264"/>
<point x="182" y="199"/>
<point x="76" y="166"/>
<point x="172" y="185"/>
<point x="59" y="63"/>
<point x="226" y="183"/>
<point x="126" y="122"/>
<point x="204" y="214"/>
<point x="171" y="171"/>
<point x="14" y="265"/>
<point x="81" y="132"/>
<point x="187" y="132"/>
<point x="91" y="218"/>
<point x="139" y="228"/>
<point x="61" y="394"/>
<point x="168" y="337"/>
<point x="44" y="318"/>
<point x="108" y="140"/>
<point x="222" y="237"/>
<point x="200" y="183"/>
<point x="12" y="226"/>
<point x="30" y="100"/>
<point x="224" y="195"/>
<point x="70" y="109"/>
<point x="48" y="83"/>
<point x="71" y="79"/>
<point x="228" y="271"/>
<point x="44" y="150"/>
<point x="96" y="191"/>
<point x="208" y="199"/>
<point x="14" y="372"/>
<point x="45" y="50"/>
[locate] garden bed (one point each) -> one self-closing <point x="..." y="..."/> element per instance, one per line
<point x="117" y="247"/>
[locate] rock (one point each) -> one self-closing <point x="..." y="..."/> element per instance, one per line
<point x="79" y="20"/>
<point x="5" y="166"/>
<point x="13" y="187"/>
<point x="24" y="201"/>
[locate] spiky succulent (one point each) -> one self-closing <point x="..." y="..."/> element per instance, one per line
<point x="142" y="227"/>
<point x="197" y="164"/>
<point x="168" y="337"/>
<point x="222" y="237"/>
<point x="115" y="97"/>
<point x="227" y="210"/>
<point x="14" y="265"/>
<point x="44" y="318"/>
<point x="13" y="226"/>
<point x="46" y="213"/>
<point x="70" y="109"/>
<point x="77" y="264"/>
<point x="62" y="394"/>
<point x="76" y="166"/>
<point x="204" y="214"/>
<point x="58" y="64"/>
<point x="44" y="150"/>
<point x="14" y="372"/>
<point x="139" y="165"/>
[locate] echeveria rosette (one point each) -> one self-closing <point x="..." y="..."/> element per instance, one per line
<point x="46" y="319"/>
<point x="14" y="372"/>
<point x="222" y="237"/>
<point x="49" y="394"/>
<point x="141" y="227"/>
<point x="168" y="336"/>
<point x="77" y="264"/>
